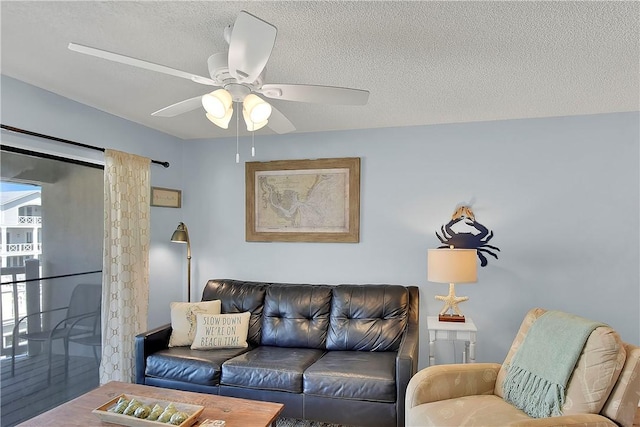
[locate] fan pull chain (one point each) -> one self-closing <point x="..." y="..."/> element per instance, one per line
<point x="237" y="135"/>
<point x="253" y="144"/>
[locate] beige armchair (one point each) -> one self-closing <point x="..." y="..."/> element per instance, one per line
<point x="603" y="389"/>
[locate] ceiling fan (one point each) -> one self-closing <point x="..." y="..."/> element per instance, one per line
<point x="239" y="74"/>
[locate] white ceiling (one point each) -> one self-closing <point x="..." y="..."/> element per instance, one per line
<point x="423" y="62"/>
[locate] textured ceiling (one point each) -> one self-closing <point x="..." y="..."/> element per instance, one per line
<point x="423" y="62"/>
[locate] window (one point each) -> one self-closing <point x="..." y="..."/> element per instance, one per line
<point x="29" y="211"/>
<point x="17" y="261"/>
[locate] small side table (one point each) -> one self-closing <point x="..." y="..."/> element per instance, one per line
<point x="461" y="331"/>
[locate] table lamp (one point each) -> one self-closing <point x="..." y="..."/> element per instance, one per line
<point x="452" y="266"/>
<point x="181" y="235"/>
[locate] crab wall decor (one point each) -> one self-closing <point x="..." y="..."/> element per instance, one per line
<point x="477" y="239"/>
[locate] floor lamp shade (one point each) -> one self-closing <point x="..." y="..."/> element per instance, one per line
<point x="452" y="266"/>
<point x="180" y="235"/>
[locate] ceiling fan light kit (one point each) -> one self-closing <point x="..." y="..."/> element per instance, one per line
<point x="219" y="107"/>
<point x="239" y="75"/>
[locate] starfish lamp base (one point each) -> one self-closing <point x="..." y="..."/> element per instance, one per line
<point x="451" y="318"/>
<point x="451" y="302"/>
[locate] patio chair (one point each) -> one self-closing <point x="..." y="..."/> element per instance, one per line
<point x="78" y="321"/>
<point x="92" y="338"/>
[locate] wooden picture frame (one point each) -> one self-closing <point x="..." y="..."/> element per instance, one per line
<point x="166" y="197"/>
<point x="303" y="200"/>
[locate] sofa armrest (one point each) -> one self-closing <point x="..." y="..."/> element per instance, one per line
<point x="148" y="343"/>
<point x="442" y="382"/>
<point x="407" y="357"/>
<point x="582" y="420"/>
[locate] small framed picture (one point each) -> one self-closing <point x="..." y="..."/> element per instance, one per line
<point x="166" y="197"/>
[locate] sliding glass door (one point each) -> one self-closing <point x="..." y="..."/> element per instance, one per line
<point x="51" y="239"/>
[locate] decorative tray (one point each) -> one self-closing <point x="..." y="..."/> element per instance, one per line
<point x="193" y="412"/>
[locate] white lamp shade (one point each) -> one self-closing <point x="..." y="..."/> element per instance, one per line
<point x="223" y="122"/>
<point x="260" y="125"/>
<point x="257" y="109"/>
<point x="452" y="265"/>
<point x="217" y="103"/>
<point x="251" y="126"/>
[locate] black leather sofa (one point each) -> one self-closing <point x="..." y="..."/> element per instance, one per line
<point x="332" y="353"/>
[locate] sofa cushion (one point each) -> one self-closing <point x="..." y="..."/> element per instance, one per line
<point x="357" y="375"/>
<point x="221" y="331"/>
<point x="239" y="296"/>
<point x="270" y="368"/>
<point x="192" y="366"/>
<point x="367" y="317"/>
<point x="183" y="320"/>
<point x="479" y="410"/>
<point x="296" y="316"/>
<point x="595" y="374"/>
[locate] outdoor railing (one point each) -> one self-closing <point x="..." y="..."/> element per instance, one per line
<point x="21" y="247"/>
<point x="29" y="220"/>
<point x="12" y="304"/>
<point x="21" y="294"/>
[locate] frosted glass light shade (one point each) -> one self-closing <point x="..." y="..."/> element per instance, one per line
<point x="251" y="126"/>
<point x="217" y="103"/>
<point x="223" y="122"/>
<point x="260" y="125"/>
<point x="257" y="109"/>
<point x="452" y="265"/>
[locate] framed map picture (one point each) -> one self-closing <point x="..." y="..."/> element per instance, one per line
<point x="303" y="200"/>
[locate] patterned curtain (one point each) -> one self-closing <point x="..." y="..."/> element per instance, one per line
<point x="125" y="270"/>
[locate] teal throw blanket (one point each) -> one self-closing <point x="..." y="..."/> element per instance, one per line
<point x="537" y="377"/>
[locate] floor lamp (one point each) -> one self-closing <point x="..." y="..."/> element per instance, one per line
<point x="181" y="235"/>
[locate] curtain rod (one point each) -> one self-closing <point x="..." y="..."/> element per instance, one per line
<point x="66" y="141"/>
<point x="41" y="155"/>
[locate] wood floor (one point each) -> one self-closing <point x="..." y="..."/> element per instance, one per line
<point x="27" y="394"/>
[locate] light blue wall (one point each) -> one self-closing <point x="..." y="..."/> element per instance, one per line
<point x="562" y="196"/>
<point x="27" y="107"/>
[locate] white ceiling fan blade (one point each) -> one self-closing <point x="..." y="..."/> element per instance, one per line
<point x="316" y="94"/>
<point x="250" y="46"/>
<point x="279" y="123"/>
<point x="116" y="57"/>
<point x="179" y="107"/>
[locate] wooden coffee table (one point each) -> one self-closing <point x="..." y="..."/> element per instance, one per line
<point x="236" y="412"/>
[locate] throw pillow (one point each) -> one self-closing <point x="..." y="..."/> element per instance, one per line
<point x="183" y="320"/>
<point x="221" y="331"/>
